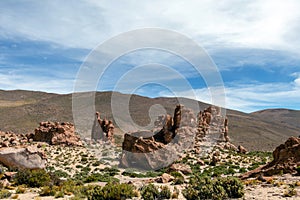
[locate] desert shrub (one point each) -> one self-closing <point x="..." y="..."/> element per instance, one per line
<point x="112" y="192"/>
<point x="59" y="194"/>
<point x="100" y="177"/>
<point x="96" y="163"/>
<point x="111" y="171"/>
<point x="179" y="179"/>
<point x="21" y="189"/>
<point x="4" y="194"/>
<point x="150" y="192"/>
<point x="219" y="188"/>
<point x="175" y="193"/>
<point x="132" y="174"/>
<point x="289" y="192"/>
<point x="32" y="178"/>
<point x="242" y="170"/>
<point x="298" y="170"/>
<point x="47" y="191"/>
<point x="165" y="192"/>
<point x="233" y="187"/>
<point x="60" y="174"/>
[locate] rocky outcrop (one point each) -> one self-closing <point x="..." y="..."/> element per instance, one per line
<point x="107" y="129"/>
<point x="286" y="157"/>
<point x="56" y="133"/>
<point x="153" y="150"/>
<point x="27" y="157"/>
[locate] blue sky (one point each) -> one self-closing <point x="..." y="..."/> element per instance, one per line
<point x="255" y="45"/>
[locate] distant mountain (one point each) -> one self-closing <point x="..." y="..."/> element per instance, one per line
<point x="21" y="111"/>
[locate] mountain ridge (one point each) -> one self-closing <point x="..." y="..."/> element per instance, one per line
<point x="21" y="111"/>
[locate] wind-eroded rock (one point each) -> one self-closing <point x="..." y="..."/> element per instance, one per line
<point x="27" y="157"/>
<point x="56" y="133"/>
<point x="286" y="157"/>
<point x="152" y="150"/>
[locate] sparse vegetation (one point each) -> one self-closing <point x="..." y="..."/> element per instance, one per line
<point x="112" y="191"/>
<point x="4" y="193"/>
<point x="218" y="188"/>
<point x="32" y="178"/>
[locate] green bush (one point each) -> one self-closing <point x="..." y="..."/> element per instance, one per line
<point x="132" y="174"/>
<point x="179" y="179"/>
<point x="219" y="188"/>
<point x="111" y="171"/>
<point x="95" y="177"/>
<point x="150" y="192"/>
<point x="47" y="191"/>
<point x="165" y="192"/>
<point x="112" y="191"/>
<point x="298" y="170"/>
<point x="4" y="194"/>
<point x="32" y="178"/>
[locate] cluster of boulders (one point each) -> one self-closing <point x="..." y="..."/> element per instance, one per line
<point x="19" y="151"/>
<point x="286" y="159"/>
<point x="56" y="133"/>
<point x="160" y="147"/>
<point x="10" y="139"/>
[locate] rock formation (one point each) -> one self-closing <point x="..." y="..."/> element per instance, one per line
<point x="152" y="150"/>
<point x="242" y="149"/>
<point x="56" y="133"/>
<point x="9" y="139"/>
<point x="27" y="157"/>
<point x="286" y="158"/>
<point x="107" y="127"/>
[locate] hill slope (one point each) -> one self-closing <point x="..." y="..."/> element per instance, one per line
<point x="21" y="111"/>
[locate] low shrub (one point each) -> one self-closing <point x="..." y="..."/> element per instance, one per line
<point x="112" y="191"/>
<point x="4" y="194"/>
<point x="179" y="179"/>
<point x="32" y="178"/>
<point x="150" y="192"/>
<point x="218" y="188"/>
<point x="95" y="177"/>
<point x="165" y="192"/>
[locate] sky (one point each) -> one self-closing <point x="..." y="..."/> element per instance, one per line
<point x="254" y="44"/>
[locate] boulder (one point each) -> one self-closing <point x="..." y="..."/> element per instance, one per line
<point x="27" y="157"/>
<point x="180" y="167"/>
<point x="165" y="178"/>
<point x="56" y="133"/>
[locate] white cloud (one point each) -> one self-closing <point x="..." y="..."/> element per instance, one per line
<point x="23" y="82"/>
<point x="255" y="24"/>
<point x="253" y="97"/>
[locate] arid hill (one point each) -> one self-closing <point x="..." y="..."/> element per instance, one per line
<point x="21" y="111"/>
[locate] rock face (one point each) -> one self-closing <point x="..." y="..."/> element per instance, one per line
<point x="153" y="150"/>
<point x="286" y="157"/>
<point x="28" y="157"/>
<point x="56" y="133"/>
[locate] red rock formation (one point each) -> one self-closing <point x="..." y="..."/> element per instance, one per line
<point x="286" y="157"/>
<point x="152" y="150"/>
<point x="107" y="127"/>
<point x="56" y="133"/>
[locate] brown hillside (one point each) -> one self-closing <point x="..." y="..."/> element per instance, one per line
<point x="21" y="111"/>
